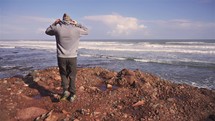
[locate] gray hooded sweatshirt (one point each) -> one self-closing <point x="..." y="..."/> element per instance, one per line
<point x="67" y="38"/>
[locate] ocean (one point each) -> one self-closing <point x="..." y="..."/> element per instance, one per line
<point x="181" y="61"/>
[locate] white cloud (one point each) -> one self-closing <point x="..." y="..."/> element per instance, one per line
<point x="181" y="24"/>
<point x="118" y="24"/>
<point x="180" y="28"/>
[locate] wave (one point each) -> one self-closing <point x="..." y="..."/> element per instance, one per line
<point x="159" y="50"/>
<point x="48" y="45"/>
<point x="193" y="63"/>
<point x="148" y="47"/>
<point x="179" y="62"/>
<point x="169" y="47"/>
<point x="191" y="43"/>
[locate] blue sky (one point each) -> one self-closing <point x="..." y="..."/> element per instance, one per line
<point x="111" y="19"/>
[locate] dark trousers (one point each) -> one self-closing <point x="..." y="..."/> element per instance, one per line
<point x="67" y="69"/>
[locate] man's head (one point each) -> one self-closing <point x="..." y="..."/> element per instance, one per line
<point x="66" y="18"/>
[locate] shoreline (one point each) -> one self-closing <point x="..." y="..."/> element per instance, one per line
<point x="104" y="95"/>
<point x="25" y="72"/>
<point x="168" y="59"/>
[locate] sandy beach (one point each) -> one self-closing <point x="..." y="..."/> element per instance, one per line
<point x="103" y="95"/>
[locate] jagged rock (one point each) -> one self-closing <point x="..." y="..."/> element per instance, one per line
<point x="127" y="78"/>
<point x="107" y="74"/>
<point x="125" y="72"/>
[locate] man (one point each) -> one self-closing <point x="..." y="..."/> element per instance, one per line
<point x="67" y="34"/>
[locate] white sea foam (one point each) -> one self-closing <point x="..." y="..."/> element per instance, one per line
<point x="172" y="61"/>
<point x="148" y="47"/>
<point x="190" y="62"/>
<point x="120" y="46"/>
<point x="48" y="45"/>
<point x="191" y="43"/>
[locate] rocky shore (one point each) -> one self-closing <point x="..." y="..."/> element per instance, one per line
<point x="103" y="95"/>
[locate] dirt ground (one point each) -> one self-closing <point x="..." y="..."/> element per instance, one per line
<point x="103" y="95"/>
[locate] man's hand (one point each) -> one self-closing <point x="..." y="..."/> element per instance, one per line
<point x="57" y="21"/>
<point x="74" y="22"/>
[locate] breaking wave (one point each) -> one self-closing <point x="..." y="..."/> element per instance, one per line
<point x="187" y="62"/>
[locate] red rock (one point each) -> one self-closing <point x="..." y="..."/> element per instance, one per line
<point x="51" y="118"/>
<point x="65" y="112"/>
<point x="58" y="88"/>
<point x="31" y="112"/>
<point x="107" y="74"/>
<point x="25" y="97"/>
<point x="139" y="103"/>
<point x="57" y="77"/>
<point x="95" y="89"/>
<point x="162" y="100"/>
<point x="109" y="86"/>
<point x="81" y="88"/>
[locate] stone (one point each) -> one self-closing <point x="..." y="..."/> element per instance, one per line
<point x="95" y="89"/>
<point x="81" y="88"/>
<point x="30" y="112"/>
<point x="36" y="79"/>
<point x="126" y="72"/>
<point x="8" y="89"/>
<point x="171" y="100"/>
<point x="57" y="77"/>
<point x="119" y="107"/>
<point x="106" y="75"/>
<point x="25" y="97"/>
<point x="5" y="81"/>
<point x="65" y="112"/>
<point x="125" y="115"/>
<point x="47" y="117"/>
<point x="83" y="111"/>
<point x="111" y="81"/>
<point x="58" y="88"/>
<point x="26" y="85"/>
<point x="139" y="103"/>
<point x="19" y="91"/>
<point x="96" y="113"/>
<point x="109" y="86"/>
<point x="51" y="118"/>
